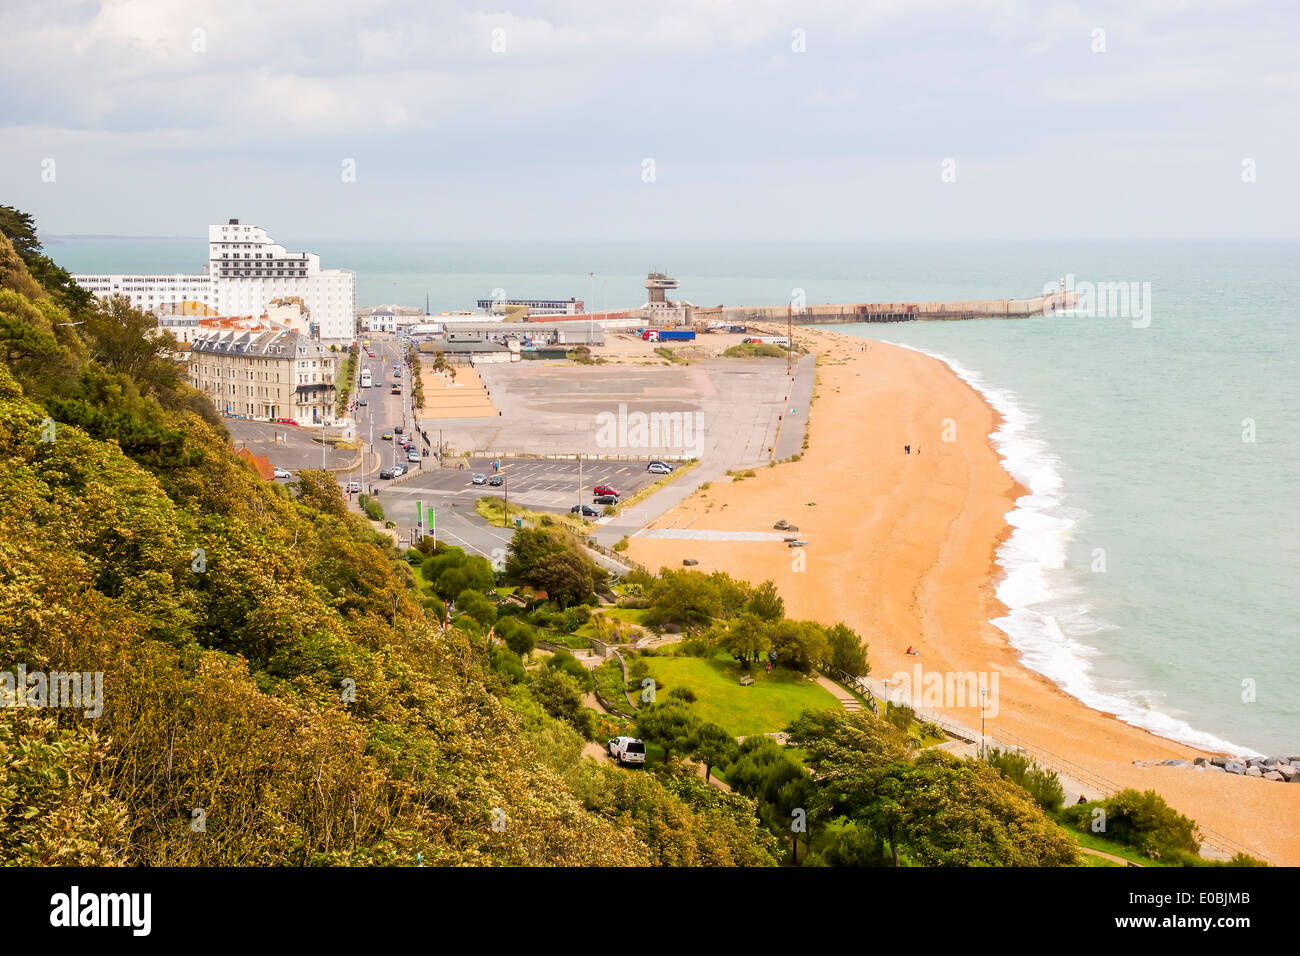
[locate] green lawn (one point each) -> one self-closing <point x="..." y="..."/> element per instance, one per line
<point x="632" y="615"/>
<point x="768" y="705"/>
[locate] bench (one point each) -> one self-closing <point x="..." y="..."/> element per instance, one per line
<point x="746" y="681"/>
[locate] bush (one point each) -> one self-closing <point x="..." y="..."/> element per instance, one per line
<point x="1140" y="820"/>
<point x="900" y="715"/>
<point x="1042" y="783"/>
<point x="507" y="663"/>
<point x="684" y="694"/>
<point x="566" y="663"/>
<point x="574" y="618"/>
<point x="372" y="508"/>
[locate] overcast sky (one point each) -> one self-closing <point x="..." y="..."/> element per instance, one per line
<point x="654" y="120"/>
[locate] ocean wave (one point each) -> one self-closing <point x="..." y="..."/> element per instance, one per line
<point x="1033" y="558"/>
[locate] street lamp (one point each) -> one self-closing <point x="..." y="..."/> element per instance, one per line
<point x="983" y="694"/>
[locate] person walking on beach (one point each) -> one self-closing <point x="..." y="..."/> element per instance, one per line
<point x="907" y="449"/>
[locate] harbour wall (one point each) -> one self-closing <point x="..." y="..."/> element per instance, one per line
<point x="890" y="311"/>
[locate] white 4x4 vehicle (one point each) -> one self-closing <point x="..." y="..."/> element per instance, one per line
<point x="627" y="750"/>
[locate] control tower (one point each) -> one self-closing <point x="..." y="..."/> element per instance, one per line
<point x="657" y="283"/>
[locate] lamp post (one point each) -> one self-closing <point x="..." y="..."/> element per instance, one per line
<point x="983" y="694"/>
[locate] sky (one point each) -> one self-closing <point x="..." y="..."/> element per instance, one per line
<point x="688" y="119"/>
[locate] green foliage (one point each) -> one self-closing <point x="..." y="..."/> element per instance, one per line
<point x="765" y="603"/>
<point x="552" y="561"/>
<point x="711" y="745"/>
<point x="566" y="663"/>
<point x="669" y="724"/>
<point x="1142" y="820"/>
<point x="560" y="693"/>
<point x="934" y="809"/>
<point x="1042" y="783"/>
<point x="476" y="606"/>
<point x="847" y="650"/>
<point x="371" y="506"/>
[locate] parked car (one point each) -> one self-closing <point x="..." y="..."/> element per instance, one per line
<point x="495" y="480"/>
<point x="659" y="468"/>
<point x="604" y="490"/>
<point x="627" y="750"/>
<point x="387" y="436"/>
<point x="412" y="455"/>
<point x="479" y="480"/>
<point x="587" y="511"/>
<point x="386" y="473"/>
<point x="605" y="499"/>
<point x="362" y="402"/>
<point x="397" y="429"/>
<point x="354" y="487"/>
<point x="282" y="472"/>
<point x="285" y="421"/>
<point x="399" y="470"/>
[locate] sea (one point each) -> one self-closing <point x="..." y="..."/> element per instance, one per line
<point x="1154" y="567"/>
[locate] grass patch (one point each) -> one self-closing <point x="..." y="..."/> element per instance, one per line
<point x="768" y="705"/>
<point x="493" y="510"/>
<point x="752" y="350"/>
<point x="1095" y="842"/>
<point x="671" y="356"/>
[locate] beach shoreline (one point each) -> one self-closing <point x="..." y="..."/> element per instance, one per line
<point x="905" y="549"/>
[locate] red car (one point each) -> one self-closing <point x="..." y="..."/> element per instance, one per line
<point x="604" y="490"/>
<point x="285" y="421"/>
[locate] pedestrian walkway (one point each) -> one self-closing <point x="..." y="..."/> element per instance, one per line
<point x="847" y="700"/>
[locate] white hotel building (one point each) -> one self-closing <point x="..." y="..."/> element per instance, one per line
<point x="245" y="271"/>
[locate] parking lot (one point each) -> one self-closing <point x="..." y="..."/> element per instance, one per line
<point x="539" y="484"/>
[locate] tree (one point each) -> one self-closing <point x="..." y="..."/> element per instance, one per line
<point x="766" y="603"/>
<point x="476" y="606"/>
<point x="561" y="696"/>
<point x="320" y="490"/>
<point x="519" y="637"/>
<point x="783" y="789"/>
<point x="746" y="638"/>
<point x="568" y="664"/>
<point x="711" y="746"/>
<point x="798" y="644"/>
<point x="552" y="561"/>
<point x="1042" y="783"/>
<point x="669" y="724"/>
<point x="847" y="651"/>
<point x="567" y="577"/>
<point x="686" y="598"/>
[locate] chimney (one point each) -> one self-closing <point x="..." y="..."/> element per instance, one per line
<point x="234" y="222"/>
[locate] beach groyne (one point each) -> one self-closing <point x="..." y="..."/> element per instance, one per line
<point x="831" y="314"/>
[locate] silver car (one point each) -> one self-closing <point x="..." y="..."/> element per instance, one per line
<point x="479" y="479"/>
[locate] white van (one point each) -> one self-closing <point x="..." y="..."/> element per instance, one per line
<point x="627" y="750"/>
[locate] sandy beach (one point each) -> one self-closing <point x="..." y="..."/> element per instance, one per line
<point x="902" y="549"/>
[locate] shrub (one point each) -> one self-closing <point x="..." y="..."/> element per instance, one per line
<point x="900" y="715"/>
<point x="684" y="694"/>
<point x="1140" y="820"/>
<point x="372" y="508"/>
<point x="1042" y="783"/>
